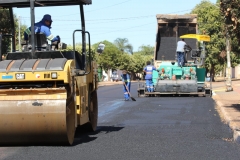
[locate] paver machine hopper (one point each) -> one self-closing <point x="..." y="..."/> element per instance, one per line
<point x="45" y="92"/>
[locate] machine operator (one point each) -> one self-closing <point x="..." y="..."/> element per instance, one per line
<point x="181" y="46"/>
<point x="44" y="27"/>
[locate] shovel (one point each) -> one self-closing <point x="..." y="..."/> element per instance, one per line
<point x="129" y="93"/>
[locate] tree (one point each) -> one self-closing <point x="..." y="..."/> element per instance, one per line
<point x="22" y="29"/>
<point x="123" y="45"/>
<point x="110" y="58"/>
<point x="135" y="63"/>
<point x="5" y="27"/>
<point x="146" y="50"/>
<point x="208" y="23"/>
<point x="230" y="12"/>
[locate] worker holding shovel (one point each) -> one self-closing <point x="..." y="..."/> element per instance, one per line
<point x="126" y="85"/>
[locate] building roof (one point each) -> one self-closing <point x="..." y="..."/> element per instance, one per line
<point x="176" y="16"/>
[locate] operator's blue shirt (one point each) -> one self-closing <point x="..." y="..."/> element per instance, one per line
<point x="40" y="27"/>
<point x="149" y="69"/>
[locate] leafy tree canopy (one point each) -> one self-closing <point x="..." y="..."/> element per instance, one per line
<point x="146" y="50"/>
<point x="110" y="58"/>
<point x="230" y="12"/>
<point x="5" y="28"/>
<point x="123" y="45"/>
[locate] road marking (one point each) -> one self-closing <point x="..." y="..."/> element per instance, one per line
<point x="219" y="90"/>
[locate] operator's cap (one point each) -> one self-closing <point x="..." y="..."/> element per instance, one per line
<point x="47" y="17"/>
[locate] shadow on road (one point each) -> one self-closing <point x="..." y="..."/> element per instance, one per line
<point x="235" y="106"/>
<point x="83" y="136"/>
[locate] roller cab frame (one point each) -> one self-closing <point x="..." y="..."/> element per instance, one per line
<point x="46" y="93"/>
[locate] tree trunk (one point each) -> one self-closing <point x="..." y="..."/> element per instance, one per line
<point x="108" y="73"/>
<point x="133" y="76"/>
<point x="212" y="73"/>
<point x="224" y="70"/>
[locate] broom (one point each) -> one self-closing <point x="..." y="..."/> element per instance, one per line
<point x="129" y="93"/>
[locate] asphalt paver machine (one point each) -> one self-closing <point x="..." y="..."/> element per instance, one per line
<point x="171" y="79"/>
<point x="45" y="92"/>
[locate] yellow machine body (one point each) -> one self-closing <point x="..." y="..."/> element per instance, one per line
<point x="46" y="91"/>
<point x="44" y="106"/>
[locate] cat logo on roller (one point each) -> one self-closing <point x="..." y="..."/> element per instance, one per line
<point x="20" y="76"/>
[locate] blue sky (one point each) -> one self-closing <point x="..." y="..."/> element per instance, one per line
<point x="109" y="20"/>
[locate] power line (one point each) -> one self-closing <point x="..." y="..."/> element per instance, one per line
<point x="110" y="6"/>
<point x="97" y="9"/>
<point x="127" y="18"/>
<point x="125" y="28"/>
<point x="114" y="19"/>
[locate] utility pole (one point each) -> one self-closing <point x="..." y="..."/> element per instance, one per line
<point x="228" y="69"/>
<point x="19" y="34"/>
<point x="176" y="44"/>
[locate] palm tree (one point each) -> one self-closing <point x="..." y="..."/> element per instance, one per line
<point x="123" y="45"/>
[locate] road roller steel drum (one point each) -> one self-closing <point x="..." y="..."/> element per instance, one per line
<point x="36" y="101"/>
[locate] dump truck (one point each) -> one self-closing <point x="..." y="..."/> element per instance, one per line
<point x="169" y="78"/>
<point x="46" y="92"/>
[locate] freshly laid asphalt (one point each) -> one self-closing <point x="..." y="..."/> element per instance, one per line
<point x="227" y="103"/>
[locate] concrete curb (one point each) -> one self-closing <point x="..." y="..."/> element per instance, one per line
<point x="227" y="119"/>
<point x="101" y="84"/>
<point x="109" y="84"/>
<point x="236" y="136"/>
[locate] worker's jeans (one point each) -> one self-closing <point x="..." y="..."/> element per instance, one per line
<point x="149" y="85"/>
<point x="180" y="58"/>
<point x="126" y="95"/>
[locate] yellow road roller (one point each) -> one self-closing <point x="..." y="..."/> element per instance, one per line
<point x="46" y="92"/>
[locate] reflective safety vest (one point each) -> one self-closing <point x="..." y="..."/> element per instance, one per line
<point x="149" y="69"/>
<point x="125" y="77"/>
<point x="40" y="27"/>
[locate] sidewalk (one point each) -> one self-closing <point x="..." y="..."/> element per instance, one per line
<point x="227" y="103"/>
<point x="107" y="83"/>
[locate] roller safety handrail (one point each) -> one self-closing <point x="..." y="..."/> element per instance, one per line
<point x="83" y="54"/>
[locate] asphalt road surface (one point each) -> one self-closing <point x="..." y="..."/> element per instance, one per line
<point x="171" y="128"/>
